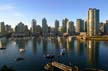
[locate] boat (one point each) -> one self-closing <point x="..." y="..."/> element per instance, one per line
<point x="21" y="50"/>
<point x="19" y="59"/>
<point x="2" y="48"/>
<point x="49" y="56"/>
<point x="62" y="51"/>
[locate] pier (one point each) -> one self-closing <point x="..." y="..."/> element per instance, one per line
<point x="58" y="65"/>
<point x="62" y="67"/>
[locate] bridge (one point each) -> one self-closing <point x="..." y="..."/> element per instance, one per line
<point x="58" y="65"/>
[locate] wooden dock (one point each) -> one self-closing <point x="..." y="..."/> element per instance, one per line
<point x="63" y="67"/>
<point x="58" y="65"/>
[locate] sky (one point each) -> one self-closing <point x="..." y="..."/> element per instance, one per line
<point x="14" y="11"/>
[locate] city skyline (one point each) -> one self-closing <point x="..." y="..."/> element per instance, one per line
<point x="14" y="11"/>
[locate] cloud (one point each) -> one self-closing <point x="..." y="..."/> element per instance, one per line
<point x="6" y="7"/>
<point x="11" y="10"/>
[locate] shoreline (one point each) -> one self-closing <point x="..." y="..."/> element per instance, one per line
<point x="99" y="38"/>
<point x="105" y="38"/>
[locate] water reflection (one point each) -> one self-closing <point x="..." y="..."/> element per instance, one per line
<point x="56" y="42"/>
<point x="66" y="43"/>
<point x="3" y="43"/>
<point x="105" y="43"/>
<point x="21" y="45"/>
<point x="92" y="51"/>
<point x="85" y="53"/>
<point x="80" y="47"/>
<point x="34" y="47"/>
<point x="45" y="46"/>
<point x="59" y="42"/>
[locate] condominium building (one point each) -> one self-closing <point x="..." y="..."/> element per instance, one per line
<point x="33" y="27"/>
<point x="93" y="22"/>
<point x="70" y="27"/>
<point x="64" y="25"/>
<point x="44" y="26"/>
<point x="56" y="27"/>
<point x="2" y="27"/>
<point x="79" y="25"/>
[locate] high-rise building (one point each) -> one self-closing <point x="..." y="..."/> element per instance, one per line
<point x="70" y="27"/>
<point x="102" y="27"/>
<point x="33" y="28"/>
<point x="60" y="30"/>
<point x="38" y="29"/>
<point x="2" y="27"/>
<point x="5" y="28"/>
<point x="44" y="26"/>
<point x="93" y="22"/>
<point x="79" y="25"/>
<point x="64" y="25"/>
<point x="26" y="28"/>
<point x="21" y="28"/>
<point x="85" y="25"/>
<point x="56" y="27"/>
<point x="8" y="28"/>
<point x="106" y="27"/>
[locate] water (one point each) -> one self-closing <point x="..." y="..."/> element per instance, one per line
<point x="78" y="52"/>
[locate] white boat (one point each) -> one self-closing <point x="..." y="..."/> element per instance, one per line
<point x="62" y="51"/>
<point x="21" y="50"/>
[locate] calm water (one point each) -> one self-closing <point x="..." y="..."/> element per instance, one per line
<point x="78" y="52"/>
